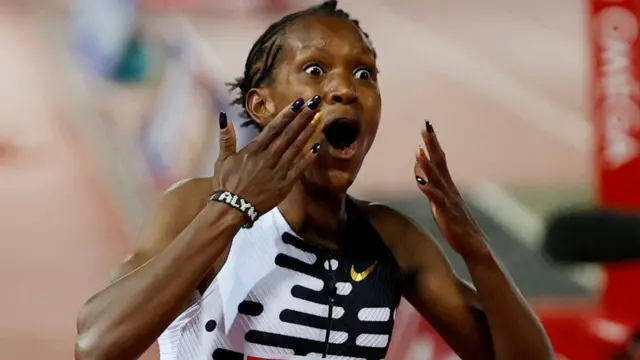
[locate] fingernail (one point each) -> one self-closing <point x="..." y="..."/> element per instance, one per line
<point x="421" y="181"/>
<point x="315" y="148"/>
<point x="419" y="152"/>
<point x="314" y="102"/>
<point x="317" y="118"/>
<point x="429" y="127"/>
<point x="223" y="120"/>
<point x="297" y="105"/>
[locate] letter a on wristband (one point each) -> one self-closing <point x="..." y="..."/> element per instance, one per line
<point x="236" y="202"/>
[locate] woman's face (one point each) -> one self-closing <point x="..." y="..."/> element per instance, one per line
<point x="330" y="57"/>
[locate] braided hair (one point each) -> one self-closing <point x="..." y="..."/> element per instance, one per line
<point x="262" y="58"/>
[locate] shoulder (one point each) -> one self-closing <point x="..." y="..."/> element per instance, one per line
<point x="175" y="209"/>
<point x="420" y="258"/>
<point x="411" y="245"/>
<point x="173" y="212"/>
<point x="387" y="220"/>
<point x="187" y="187"/>
<point x="179" y="204"/>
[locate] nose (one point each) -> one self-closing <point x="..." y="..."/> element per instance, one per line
<point x="342" y="92"/>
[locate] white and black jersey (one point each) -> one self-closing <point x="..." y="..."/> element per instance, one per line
<point x="278" y="297"/>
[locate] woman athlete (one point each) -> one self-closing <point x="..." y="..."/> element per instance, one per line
<point x="270" y="258"/>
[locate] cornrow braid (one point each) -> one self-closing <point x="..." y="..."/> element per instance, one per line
<point x="264" y="53"/>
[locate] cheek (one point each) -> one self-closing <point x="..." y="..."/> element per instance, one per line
<point x="373" y="108"/>
<point x="371" y="101"/>
<point x="293" y="86"/>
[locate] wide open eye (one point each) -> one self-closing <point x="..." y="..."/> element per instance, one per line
<point x="363" y="74"/>
<point x="314" y="70"/>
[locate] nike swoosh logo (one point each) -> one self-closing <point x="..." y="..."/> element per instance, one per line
<point x="359" y="276"/>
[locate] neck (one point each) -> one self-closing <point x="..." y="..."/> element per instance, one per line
<point x="313" y="213"/>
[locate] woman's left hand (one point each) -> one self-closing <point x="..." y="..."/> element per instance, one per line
<point x="448" y="208"/>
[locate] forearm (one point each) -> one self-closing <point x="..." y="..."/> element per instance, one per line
<point x="124" y="319"/>
<point x="515" y="329"/>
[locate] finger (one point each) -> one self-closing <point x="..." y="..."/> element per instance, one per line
<point x="292" y="131"/>
<point x="302" y="142"/>
<point x="435" y="196"/>
<point x="428" y="170"/>
<point x="303" y="161"/>
<point x="227" y="137"/>
<point x="433" y="146"/>
<point x="436" y="154"/>
<point x="284" y="118"/>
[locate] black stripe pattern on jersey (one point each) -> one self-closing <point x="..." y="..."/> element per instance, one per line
<point x="363" y="307"/>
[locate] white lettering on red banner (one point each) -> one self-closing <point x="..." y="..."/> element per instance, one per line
<point x="617" y="31"/>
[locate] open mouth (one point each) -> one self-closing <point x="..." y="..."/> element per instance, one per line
<point x="342" y="134"/>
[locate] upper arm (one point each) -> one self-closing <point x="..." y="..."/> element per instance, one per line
<point x="449" y="304"/>
<point x="178" y="206"/>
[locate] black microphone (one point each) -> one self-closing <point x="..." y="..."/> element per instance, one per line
<point x="593" y="236"/>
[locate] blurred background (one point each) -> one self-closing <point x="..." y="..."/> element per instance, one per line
<point x="106" y="103"/>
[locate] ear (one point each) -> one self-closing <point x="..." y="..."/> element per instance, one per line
<point x="260" y="106"/>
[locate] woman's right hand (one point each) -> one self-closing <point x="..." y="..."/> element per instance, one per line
<point x="265" y="171"/>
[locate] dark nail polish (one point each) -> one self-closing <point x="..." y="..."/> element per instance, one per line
<point x="314" y="102"/>
<point x="315" y="148"/>
<point x="420" y="180"/>
<point x="429" y="127"/>
<point x="223" y="120"/>
<point x="297" y="105"/>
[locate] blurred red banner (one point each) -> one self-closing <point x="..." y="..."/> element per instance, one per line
<point x="613" y="33"/>
<point x="616" y="100"/>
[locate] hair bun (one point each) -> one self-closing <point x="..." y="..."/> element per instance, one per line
<point x="329" y="5"/>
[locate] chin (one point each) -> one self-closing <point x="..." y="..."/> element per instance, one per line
<point x="339" y="181"/>
<point x="332" y="180"/>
